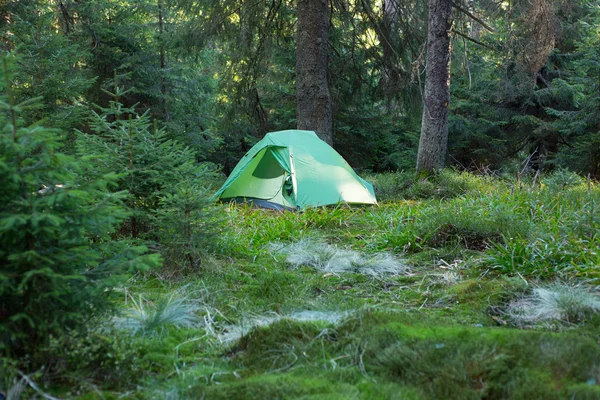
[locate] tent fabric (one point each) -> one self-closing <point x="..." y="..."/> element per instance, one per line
<point x="295" y="169"/>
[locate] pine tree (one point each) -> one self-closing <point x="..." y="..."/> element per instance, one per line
<point x="57" y="253"/>
<point x="153" y="169"/>
<point x="51" y="62"/>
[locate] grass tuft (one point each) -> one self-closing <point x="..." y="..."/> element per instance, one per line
<point x="153" y="318"/>
<point x="557" y="301"/>
<point x="332" y="259"/>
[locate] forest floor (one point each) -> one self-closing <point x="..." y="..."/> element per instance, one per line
<point x="475" y="288"/>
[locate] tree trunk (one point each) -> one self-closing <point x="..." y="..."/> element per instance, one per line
<point x="434" y="128"/>
<point x="163" y="61"/>
<point x="313" y="101"/>
<point x="391" y="71"/>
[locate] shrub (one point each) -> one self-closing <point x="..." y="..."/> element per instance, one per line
<point x="168" y="191"/>
<point x="187" y="224"/>
<point x="391" y="185"/>
<point x="104" y="356"/>
<point x="545" y="258"/>
<point x="58" y="258"/>
<point x="473" y="223"/>
<point x="561" y="179"/>
<point x="446" y="184"/>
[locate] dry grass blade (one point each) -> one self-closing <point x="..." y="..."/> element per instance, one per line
<point x="147" y="317"/>
<point x="328" y="258"/>
<point x="557" y="301"/>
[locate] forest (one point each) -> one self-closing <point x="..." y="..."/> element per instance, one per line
<point x="126" y="272"/>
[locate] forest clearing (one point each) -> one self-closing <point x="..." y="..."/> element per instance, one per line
<point x="307" y="199"/>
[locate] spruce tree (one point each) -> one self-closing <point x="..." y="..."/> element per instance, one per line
<point x="57" y="251"/>
<point x="161" y="176"/>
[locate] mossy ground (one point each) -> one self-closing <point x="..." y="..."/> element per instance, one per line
<point x="438" y="332"/>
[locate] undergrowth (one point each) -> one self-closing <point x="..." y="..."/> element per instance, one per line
<point x="449" y="288"/>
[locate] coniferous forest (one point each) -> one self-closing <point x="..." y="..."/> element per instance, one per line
<point x="475" y="276"/>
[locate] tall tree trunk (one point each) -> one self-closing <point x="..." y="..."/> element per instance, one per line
<point x="434" y="128"/>
<point x="163" y="61"/>
<point x="390" y="74"/>
<point x="313" y="100"/>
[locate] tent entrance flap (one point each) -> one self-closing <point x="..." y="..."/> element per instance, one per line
<point x="263" y="178"/>
<point x="269" y="166"/>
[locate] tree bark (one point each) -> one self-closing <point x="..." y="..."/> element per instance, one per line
<point x="391" y="71"/>
<point x="433" y="143"/>
<point x="313" y="100"/>
<point x="163" y="61"/>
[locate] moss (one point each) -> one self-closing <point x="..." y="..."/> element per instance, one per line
<point x="278" y="386"/>
<point x="469" y="362"/>
<point x="298" y="385"/>
<point x="479" y="293"/>
<point x="276" y="346"/>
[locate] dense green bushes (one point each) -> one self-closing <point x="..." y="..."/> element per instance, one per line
<point x="58" y="250"/>
<point x="72" y="229"/>
<point x="168" y="191"/>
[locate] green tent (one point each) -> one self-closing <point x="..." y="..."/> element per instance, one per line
<point x="295" y="169"/>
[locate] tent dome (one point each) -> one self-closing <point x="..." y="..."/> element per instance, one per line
<point x="295" y="169"/>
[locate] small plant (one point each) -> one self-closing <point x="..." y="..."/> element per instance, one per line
<point x="473" y="223"/>
<point x="156" y="171"/>
<point x="234" y="332"/>
<point x="187" y="224"/>
<point x="153" y="318"/>
<point x="307" y="252"/>
<point x="557" y="301"/>
<point x="105" y="356"/>
<point x="378" y="264"/>
<point x="391" y="185"/>
<point x="562" y="179"/>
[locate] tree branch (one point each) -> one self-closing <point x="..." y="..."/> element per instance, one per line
<point x="471" y="39"/>
<point x="473" y="17"/>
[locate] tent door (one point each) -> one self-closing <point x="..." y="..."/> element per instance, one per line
<point x="266" y="177"/>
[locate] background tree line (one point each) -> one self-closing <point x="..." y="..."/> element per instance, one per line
<point x="218" y="75"/>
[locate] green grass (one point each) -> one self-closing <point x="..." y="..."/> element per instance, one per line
<point x="431" y="294"/>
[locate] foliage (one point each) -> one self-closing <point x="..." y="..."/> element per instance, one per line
<point x="168" y="198"/>
<point x="561" y="179"/>
<point x="59" y="259"/>
<point x="187" y="223"/>
<point x="473" y="224"/>
<point x="443" y="185"/>
<point x="102" y="355"/>
<point x="578" y="121"/>
<point x="48" y="64"/>
<point x="564" y="240"/>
